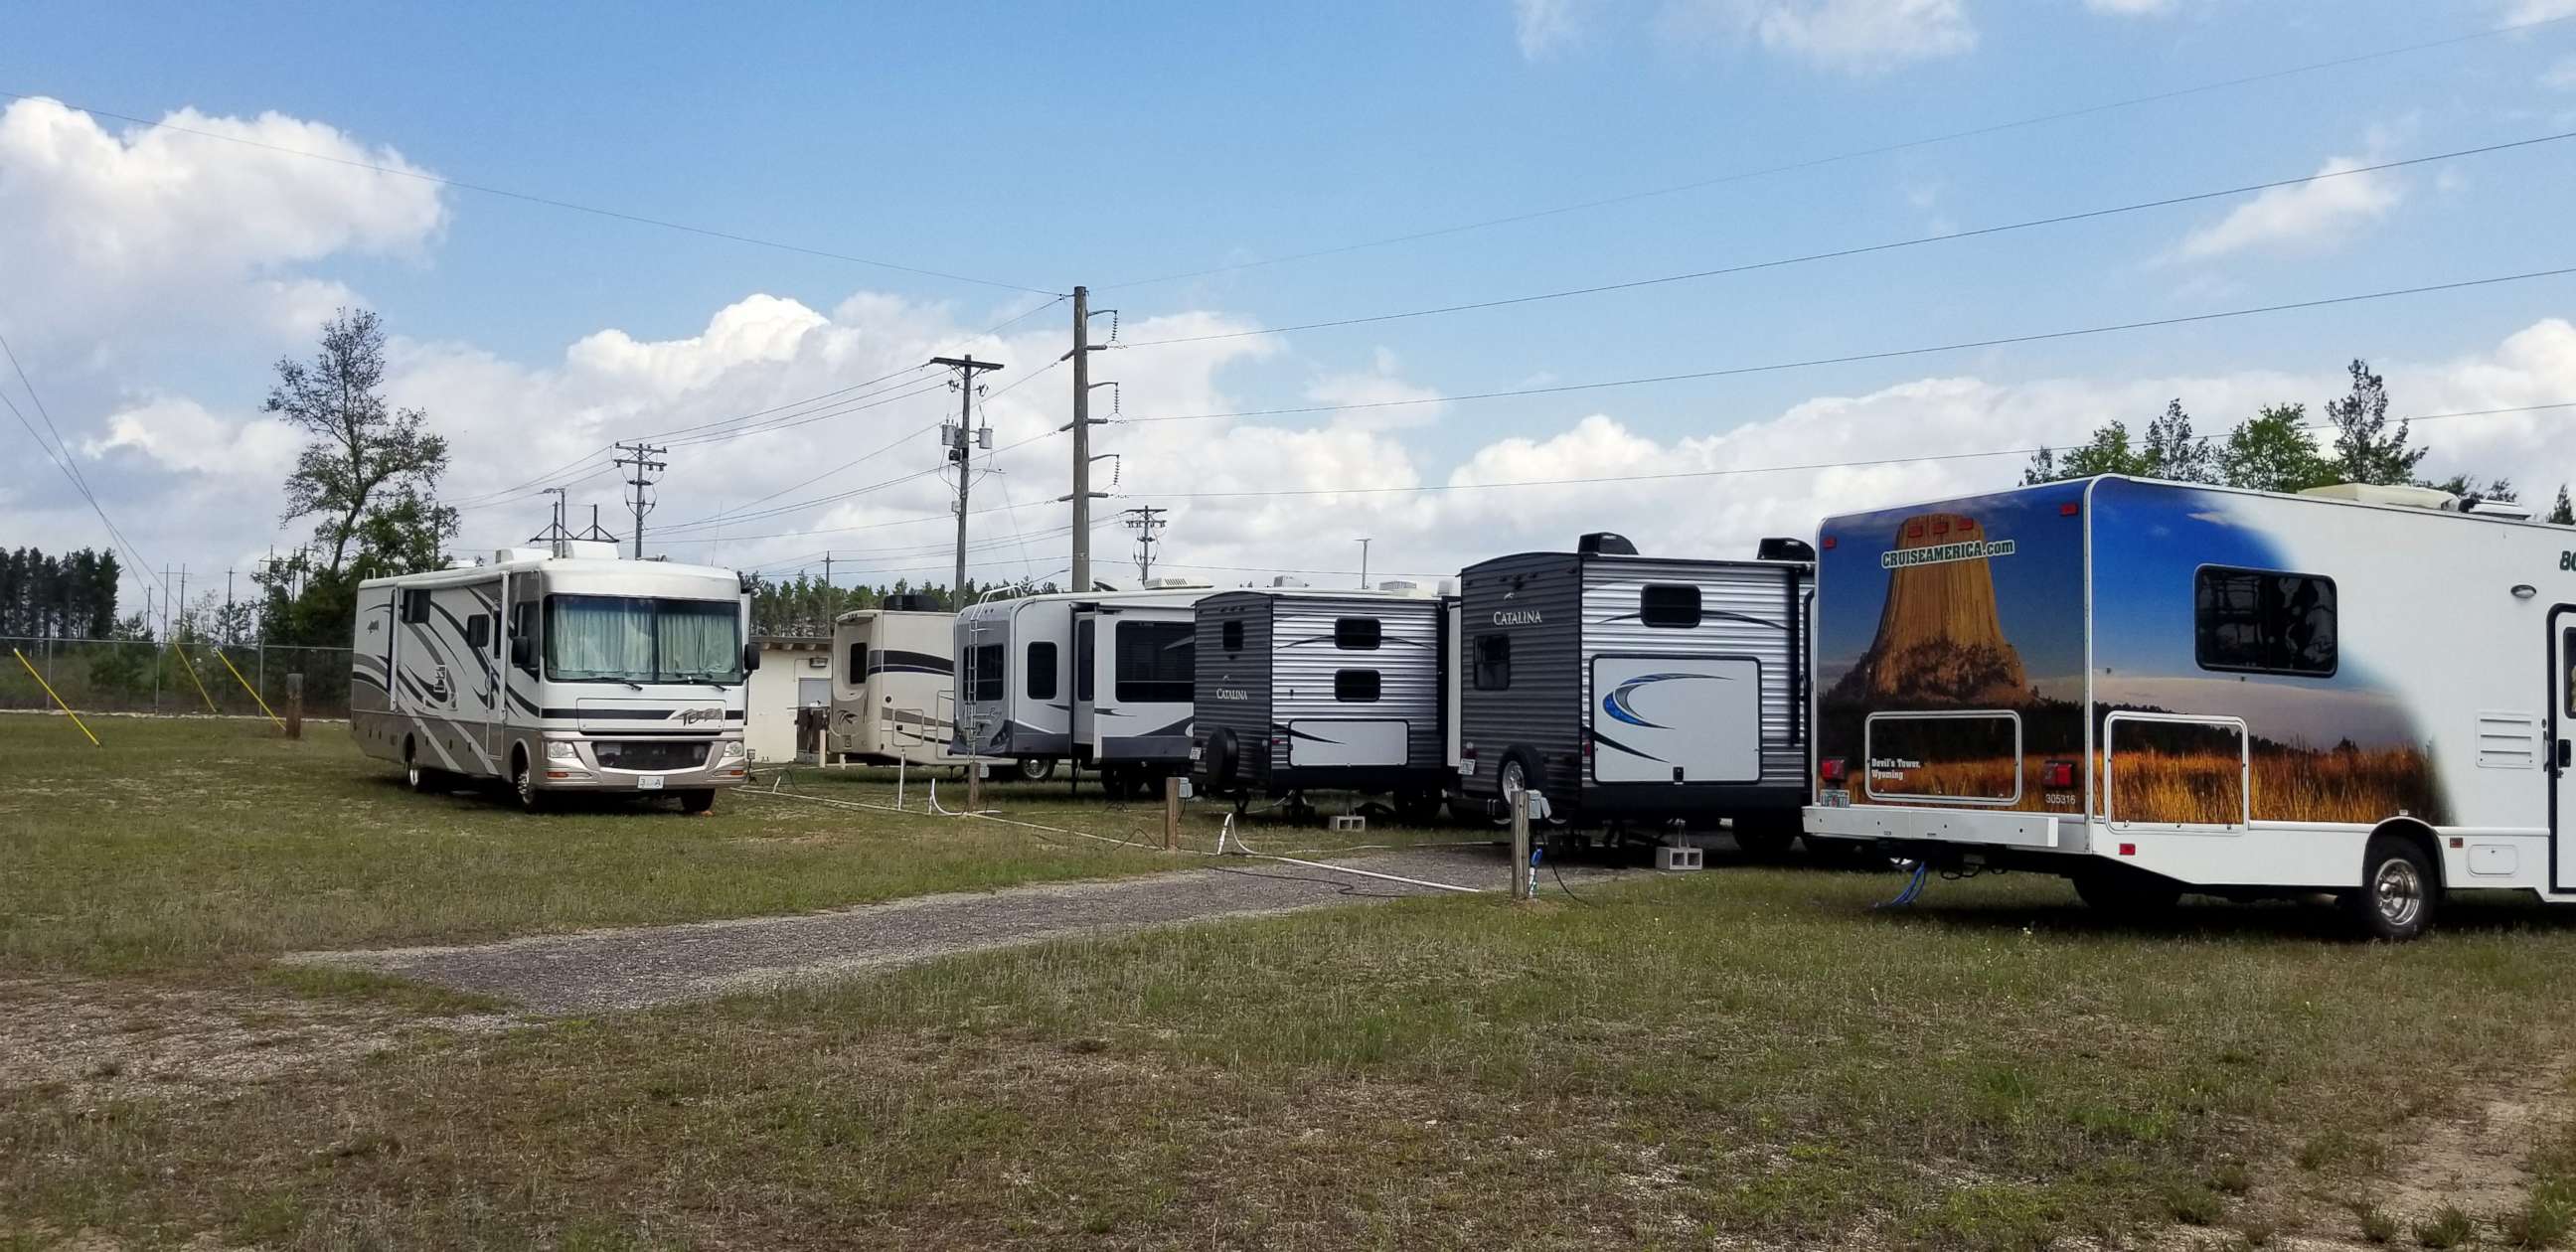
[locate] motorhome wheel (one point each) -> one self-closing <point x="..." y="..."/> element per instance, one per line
<point x="698" y="800"/>
<point x="523" y="781"/>
<point x="416" y="776"/>
<point x="2398" y="892"/>
<point x="1035" y="769"/>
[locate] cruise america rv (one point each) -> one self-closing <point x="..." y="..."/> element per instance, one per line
<point x="1304" y="689"/>
<point x="557" y="673"/>
<point x="1100" y="679"/>
<point x="1633" y="690"/>
<point x="2155" y="688"/>
<point x="893" y="686"/>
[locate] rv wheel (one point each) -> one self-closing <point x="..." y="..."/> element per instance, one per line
<point x="2398" y="890"/>
<point x="699" y="800"/>
<point x="416" y="776"/>
<point x="523" y="784"/>
<point x="1034" y="769"/>
<point x="1517" y="775"/>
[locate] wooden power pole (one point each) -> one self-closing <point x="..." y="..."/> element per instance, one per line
<point x="963" y="439"/>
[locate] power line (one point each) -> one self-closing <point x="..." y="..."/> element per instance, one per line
<point x="1854" y="154"/>
<point x="1866" y="249"/>
<point x="1886" y="355"/>
<point x="60" y="454"/>
<point x="548" y="201"/>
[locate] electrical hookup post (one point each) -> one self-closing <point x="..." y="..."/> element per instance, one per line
<point x="1524" y="877"/>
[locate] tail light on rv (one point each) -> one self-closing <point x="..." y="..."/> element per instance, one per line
<point x="1830" y="769"/>
<point x="2057" y="774"/>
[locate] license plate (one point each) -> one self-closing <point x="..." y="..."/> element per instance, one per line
<point x="1197" y="753"/>
<point x="649" y="782"/>
<point x="1833" y="798"/>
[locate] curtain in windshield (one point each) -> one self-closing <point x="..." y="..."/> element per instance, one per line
<point x="636" y="639"/>
<point x="697" y="640"/>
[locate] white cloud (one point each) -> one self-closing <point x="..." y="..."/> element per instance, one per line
<point x="1399" y="403"/>
<point x="180" y="434"/>
<point x="1855" y="36"/>
<point x="2131" y="8"/>
<point x="158" y="230"/>
<point x="2526" y="11"/>
<point x="2561" y="76"/>
<point x="2304" y="217"/>
<point x="1548" y="26"/>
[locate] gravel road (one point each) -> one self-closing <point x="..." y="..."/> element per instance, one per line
<point x="597" y="970"/>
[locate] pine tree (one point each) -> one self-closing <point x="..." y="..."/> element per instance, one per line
<point x="2562" y="513"/>
<point x="2365" y="451"/>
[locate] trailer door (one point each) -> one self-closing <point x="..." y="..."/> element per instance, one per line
<point x="2562" y="748"/>
<point x="1088" y="682"/>
<point x="1674" y="719"/>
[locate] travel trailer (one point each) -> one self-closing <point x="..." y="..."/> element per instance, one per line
<point x="1633" y="691"/>
<point x="559" y="669"/>
<point x="2155" y="688"/>
<point x="1100" y="679"/>
<point x="1325" y="690"/>
<point x="893" y="686"/>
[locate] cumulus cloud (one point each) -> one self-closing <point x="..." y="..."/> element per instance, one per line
<point x="156" y="229"/>
<point x="1544" y="27"/>
<point x="2561" y="76"/>
<point x="2131" y="8"/>
<point x="1854" y="36"/>
<point x="2304" y="217"/>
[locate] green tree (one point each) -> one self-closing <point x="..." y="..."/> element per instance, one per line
<point x="368" y="471"/>
<point x="2365" y="450"/>
<point x="2173" y="452"/>
<point x="2107" y="452"/>
<point x="2563" y="513"/>
<point x="2271" y="451"/>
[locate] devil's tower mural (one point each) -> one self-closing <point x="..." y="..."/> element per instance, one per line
<point x="1940" y="637"/>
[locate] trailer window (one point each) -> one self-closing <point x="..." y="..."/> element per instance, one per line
<point x="1156" y="661"/>
<point x="478" y="632"/>
<point x="1493" y="662"/>
<point x="1355" y="686"/>
<point x="1355" y="634"/>
<point x="1042" y="670"/>
<point x="415" y="607"/>
<point x="1669" y="606"/>
<point x="1230" y="636"/>
<point x="2263" y="621"/>
<point x="985" y="662"/>
<point x="523" y="625"/>
<point x="858" y="664"/>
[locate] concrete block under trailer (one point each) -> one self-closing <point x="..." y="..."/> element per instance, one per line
<point x="2156" y="688"/>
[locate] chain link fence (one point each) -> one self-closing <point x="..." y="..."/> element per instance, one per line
<point x="155" y="676"/>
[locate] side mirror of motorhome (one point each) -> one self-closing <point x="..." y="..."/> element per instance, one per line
<point x="523" y="652"/>
<point x="750" y="657"/>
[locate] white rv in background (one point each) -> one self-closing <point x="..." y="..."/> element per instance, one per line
<point x="2156" y="688"/>
<point x="558" y="670"/>
<point x="1101" y="680"/>
<point x="893" y="687"/>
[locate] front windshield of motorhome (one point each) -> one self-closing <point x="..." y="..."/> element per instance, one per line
<point x="640" y="639"/>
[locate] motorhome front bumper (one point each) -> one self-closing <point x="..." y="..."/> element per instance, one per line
<point x="1991" y="827"/>
<point x="607" y="764"/>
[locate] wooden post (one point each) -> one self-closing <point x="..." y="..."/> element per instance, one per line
<point x="295" y="705"/>
<point x="1171" y="813"/>
<point x="975" y="786"/>
<point x="1520" y="845"/>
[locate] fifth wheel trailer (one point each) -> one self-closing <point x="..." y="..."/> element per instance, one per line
<point x="893" y="687"/>
<point x="1100" y="679"/>
<point x="1634" y="690"/>
<point x="558" y="670"/>
<point x="1303" y="689"/>
<point x="2156" y="688"/>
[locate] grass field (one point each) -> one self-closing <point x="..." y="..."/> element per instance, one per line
<point x="1745" y="1057"/>
<point x="206" y="844"/>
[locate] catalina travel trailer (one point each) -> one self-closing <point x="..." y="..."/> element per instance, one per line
<point x="1327" y="690"/>
<point x="559" y="673"/>
<point x="893" y="686"/>
<point x="1102" y="679"/>
<point x="2155" y="688"/>
<point x="1634" y="690"/>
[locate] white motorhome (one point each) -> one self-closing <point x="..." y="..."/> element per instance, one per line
<point x="1101" y="679"/>
<point x="2156" y="688"/>
<point x="560" y="670"/>
<point x="893" y="687"/>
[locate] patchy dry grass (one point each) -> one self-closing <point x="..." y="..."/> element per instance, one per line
<point x="1751" y="1057"/>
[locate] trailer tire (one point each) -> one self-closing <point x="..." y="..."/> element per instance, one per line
<point x="2399" y="890"/>
<point x="2125" y="893"/>
<point x="1221" y="760"/>
<point x="418" y="778"/>
<point x="1034" y="769"/>
<point x="698" y="800"/>
<point x="1519" y="772"/>
<point x="523" y="783"/>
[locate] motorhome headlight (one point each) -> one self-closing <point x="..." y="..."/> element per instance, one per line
<point x="733" y="749"/>
<point x="559" y="750"/>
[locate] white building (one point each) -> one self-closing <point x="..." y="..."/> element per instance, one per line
<point x="794" y="674"/>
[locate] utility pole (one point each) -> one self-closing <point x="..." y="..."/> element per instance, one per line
<point x="640" y="455"/>
<point x="1082" y="495"/>
<point x="962" y="440"/>
<point x="1364" y="546"/>
<point x="595" y="532"/>
<point x="1146" y="521"/>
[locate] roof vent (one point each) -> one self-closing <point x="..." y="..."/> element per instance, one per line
<point x="1170" y="584"/>
<point x="1287" y="580"/>
<point x="1401" y="586"/>
<point x="1785" y="549"/>
<point x="2373" y="493"/>
<point x="2510" y="510"/>
<point x="1604" y="543"/>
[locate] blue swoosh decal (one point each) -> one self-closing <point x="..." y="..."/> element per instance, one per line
<point x="1616" y="703"/>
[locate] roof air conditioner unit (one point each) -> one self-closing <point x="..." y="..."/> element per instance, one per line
<point x="1401" y="586"/>
<point x="2373" y="493"/>
<point x="1288" y="580"/>
<point x="2510" y="510"/>
<point x="1604" y="543"/>
<point x="1170" y="584"/>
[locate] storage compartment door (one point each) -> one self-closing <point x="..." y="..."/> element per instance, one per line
<point x="1676" y="719"/>
<point x="1314" y="741"/>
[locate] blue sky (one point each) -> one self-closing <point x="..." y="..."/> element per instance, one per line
<point x="1103" y="146"/>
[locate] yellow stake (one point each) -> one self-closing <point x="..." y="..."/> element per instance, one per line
<point x="58" y="700"/>
<point x="254" y="691"/>
<point x="191" y="667"/>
